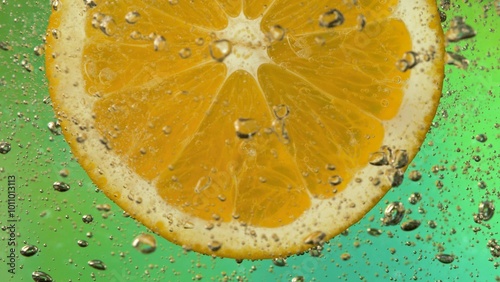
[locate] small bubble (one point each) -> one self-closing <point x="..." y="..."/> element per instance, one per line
<point x="82" y="243"/>
<point x="415" y="175"/>
<point x="159" y="43"/>
<point x="220" y="49"/>
<point x="214" y="246"/>
<point x="361" y="21"/>
<point x="90" y="3"/>
<point x="5" y="147"/>
<point x="315" y="238"/>
<point x="185" y="53"/>
<point x="39" y="50"/>
<point x="393" y="214"/>
<point x="414" y="198"/>
<point x="331" y="19"/>
<point x="410" y="225"/>
<point x="486" y="210"/>
<point x="60" y="186"/>
<point x="279" y="262"/>
<point x="345" y="256"/>
<point x="97" y="264"/>
<point x="199" y="41"/>
<point x="87" y="218"/>
<point x="374" y="231"/>
<point x="281" y="111"/>
<point x="481" y="138"/>
<point x="334" y="180"/>
<point x="40" y="276"/>
<point x="132" y="17"/>
<point x="276" y="33"/>
<point x="56" y="5"/>
<point x="29" y="250"/>
<point x="145" y="243"/>
<point x="246" y="127"/>
<point x="445" y="258"/>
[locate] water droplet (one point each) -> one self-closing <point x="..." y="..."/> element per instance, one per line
<point x="56" y="5"/>
<point x="459" y="30"/>
<point x="203" y="183"/>
<point x="90" y="3"/>
<point x="29" y="250"/>
<point x="159" y="43"/>
<point x="410" y="225"/>
<point x="331" y="19"/>
<point x="145" y="243"/>
<point x="60" y="186"/>
<point x="97" y="264"/>
<point x="315" y="238"/>
<point x="334" y="180"/>
<point x="82" y="243"/>
<point x="104" y="22"/>
<point x="281" y="111"/>
<point x="87" y="218"/>
<point x="393" y="214"/>
<point x="199" y="41"/>
<point x="220" y="49"/>
<point x="445" y="258"/>
<point x="214" y="246"/>
<point x="132" y="17"/>
<point x="4" y="147"/>
<point x="40" y="276"/>
<point x="481" y="138"/>
<point x="246" y="127"/>
<point x="276" y="33"/>
<point x="399" y="159"/>
<point x="361" y="20"/>
<point x="185" y="53"/>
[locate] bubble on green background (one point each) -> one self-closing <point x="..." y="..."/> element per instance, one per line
<point x="459" y="166"/>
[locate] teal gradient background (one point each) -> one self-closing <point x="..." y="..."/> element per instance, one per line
<point x="452" y="163"/>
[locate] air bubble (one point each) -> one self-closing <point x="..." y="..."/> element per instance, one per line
<point x="60" y="186"/>
<point x="97" y="264"/>
<point x="220" y="49"/>
<point x="5" y="147"/>
<point x="40" y="276"/>
<point x="445" y="258"/>
<point x="459" y="30"/>
<point x="28" y="250"/>
<point x="331" y="19"/>
<point x="185" y="53"/>
<point x="144" y="243"/>
<point x="276" y="33"/>
<point x="132" y="17"/>
<point x="214" y="246"/>
<point x="393" y="214"/>
<point x="159" y="43"/>
<point x="246" y="127"/>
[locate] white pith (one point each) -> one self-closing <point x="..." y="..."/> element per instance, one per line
<point x="249" y="45"/>
<point x="329" y="216"/>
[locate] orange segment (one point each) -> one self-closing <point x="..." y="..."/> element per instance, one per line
<point x="245" y="129"/>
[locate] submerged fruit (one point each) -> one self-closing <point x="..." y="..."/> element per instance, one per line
<point x="245" y="129"/>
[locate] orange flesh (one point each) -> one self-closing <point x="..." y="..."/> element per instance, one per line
<point x="337" y="100"/>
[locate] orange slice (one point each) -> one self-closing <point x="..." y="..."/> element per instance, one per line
<point x="245" y="129"/>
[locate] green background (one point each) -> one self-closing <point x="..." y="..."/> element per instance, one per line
<point x="452" y="163"/>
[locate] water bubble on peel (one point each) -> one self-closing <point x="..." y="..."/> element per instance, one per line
<point x="5" y="147"/>
<point x="60" y="186"/>
<point x="334" y="180"/>
<point x="104" y="22"/>
<point x="40" y="276"/>
<point x="276" y="33"/>
<point x="214" y="245"/>
<point x="330" y="19"/>
<point x="145" y="243"/>
<point x="159" y="43"/>
<point x="203" y="184"/>
<point x="220" y="49"/>
<point x="246" y="127"/>
<point x="281" y="111"/>
<point x="185" y="53"/>
<point x="28" y="250"/>
<point x="408" y="61"/>
<point x="361" y="22"/>
<point x="97" y="264"/>
<point x="459" y="30"/>
<point x="132" y="17"/>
